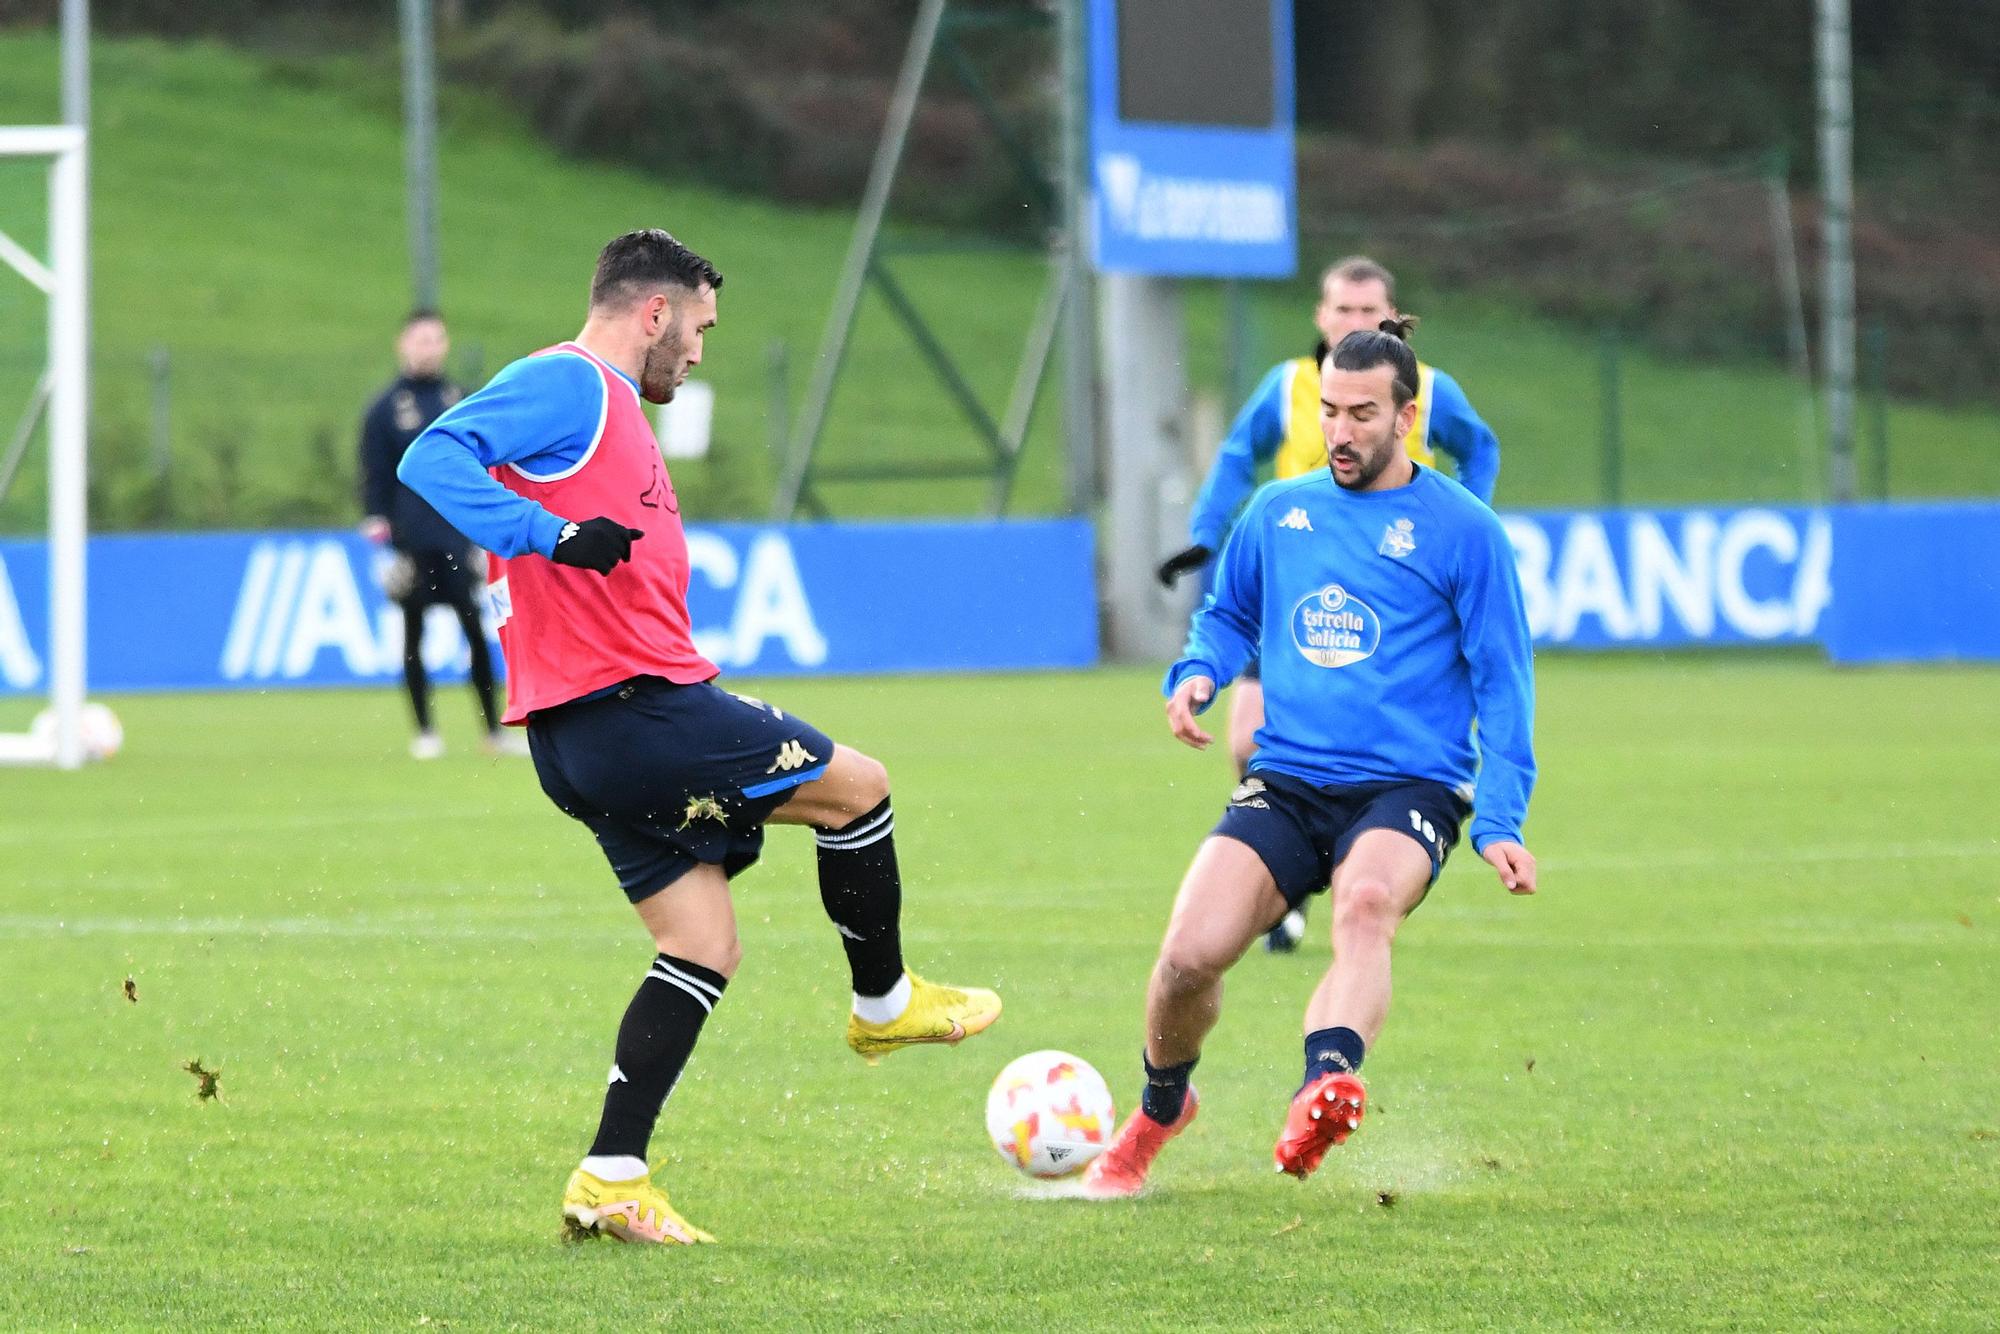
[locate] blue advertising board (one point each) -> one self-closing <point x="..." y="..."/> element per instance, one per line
<point x="202" y="611"/>
<point x="1871" y="583"/>
<point x="1191" y="138"/>
<point x="1674" y="578"/>
<point x="1917" y="583"/>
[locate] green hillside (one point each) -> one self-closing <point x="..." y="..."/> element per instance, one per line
<point x="247" y="218"/>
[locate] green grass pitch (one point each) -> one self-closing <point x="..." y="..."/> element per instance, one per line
<point x="1735" y="1066"/>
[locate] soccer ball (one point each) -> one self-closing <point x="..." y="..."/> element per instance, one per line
<point x="1050" y="1113"/>
<point x="103" y="734"/>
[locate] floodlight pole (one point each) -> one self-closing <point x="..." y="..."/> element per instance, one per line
<point x="1836" y="165"/>
<point x="420" y="150"/>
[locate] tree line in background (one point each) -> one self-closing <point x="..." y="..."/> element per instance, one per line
<point x="1539" y="150"/>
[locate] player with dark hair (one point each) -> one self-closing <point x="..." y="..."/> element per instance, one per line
<point x="1385" y="603"/>
<point x="630" y="735"/>
<point x="1279" y="426"/>
<point x="433" y="564"/>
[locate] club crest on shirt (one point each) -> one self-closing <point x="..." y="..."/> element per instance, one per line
<point x="1398" y="539"/>
<point x="1333" y="628"/>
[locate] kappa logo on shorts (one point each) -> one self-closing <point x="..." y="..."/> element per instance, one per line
<point x="1333" y="628"/>
<point x="792" y="755"/>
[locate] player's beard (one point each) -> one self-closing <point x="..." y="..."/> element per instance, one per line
<point x="1369" y="460"/>
<point x="665" y="366"/>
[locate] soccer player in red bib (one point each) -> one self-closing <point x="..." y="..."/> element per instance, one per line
<point x="553" y="468"/>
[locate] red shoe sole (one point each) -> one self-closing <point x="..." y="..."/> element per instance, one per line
<point x="1333" y="1105"/>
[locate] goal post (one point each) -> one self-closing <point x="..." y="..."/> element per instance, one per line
<point x="63" y="278"/>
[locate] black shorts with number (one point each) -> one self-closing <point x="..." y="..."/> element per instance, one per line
<point x="1302" y="831"/>
<point x="670" y="776"/>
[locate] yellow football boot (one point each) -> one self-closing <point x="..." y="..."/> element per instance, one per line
<point x="935" y="1014"/>
<point x="634" y="1210"/>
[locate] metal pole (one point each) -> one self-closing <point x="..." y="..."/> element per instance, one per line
<point x="779" y="363"/>
<point x="1791" y="290"/>
<point x="1613" y="441"/>
<point x="420" y="150"/>
<point x="1836" y="155"/>
<point x="1877" y="343"/>
<point x="69" y="398"/>
<point x="159" y="368"/>
<point x="1079" y="331"/>
<point x="1238" y="341"/>
<point x="854" y="270"/>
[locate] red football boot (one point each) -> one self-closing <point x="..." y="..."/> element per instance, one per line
<point x="1324" y="1114"/>
<point x="1121" y="1169"/>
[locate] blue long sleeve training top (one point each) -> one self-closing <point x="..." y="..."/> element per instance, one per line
<point x="1387" y="622"/>
<point x="1267" y="419"/>
<point x="541" y="413"/>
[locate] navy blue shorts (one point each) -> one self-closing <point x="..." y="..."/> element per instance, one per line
<point x="670" y="776"/>
<point x="1302" y="831"/>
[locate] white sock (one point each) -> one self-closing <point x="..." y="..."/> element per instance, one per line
<point x="615" y="1167"/>
<point x="884" y="1009"/>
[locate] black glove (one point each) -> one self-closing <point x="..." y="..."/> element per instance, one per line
<point x="1178" y="564"/>
<point x="595" y="544"/>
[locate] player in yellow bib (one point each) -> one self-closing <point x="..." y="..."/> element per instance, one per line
<point x="1280" y="426"/>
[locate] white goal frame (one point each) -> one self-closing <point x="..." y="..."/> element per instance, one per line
<point x="64" y="278"/>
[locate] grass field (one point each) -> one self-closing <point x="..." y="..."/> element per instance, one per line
<point x="248" y="218"/>
<point x="1735" y="1066"/>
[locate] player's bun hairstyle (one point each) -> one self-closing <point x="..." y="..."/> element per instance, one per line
<point x="635" y="264"/>
<point x="1365" y="349"/>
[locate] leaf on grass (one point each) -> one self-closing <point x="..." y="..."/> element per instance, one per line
<point x="1386" y="1198"/>
<point x="207" y="1081"/>
<point x="1531" y="1065"/>
<point x="1292" y="1226"/>
<point x="1983" y="1133"/>
<point x="1965" y="920"/>
<point x="1490" y="1164"/>
<point x="131" y="990"/>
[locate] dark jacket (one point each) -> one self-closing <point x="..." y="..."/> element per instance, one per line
<point x="392" y="422"/>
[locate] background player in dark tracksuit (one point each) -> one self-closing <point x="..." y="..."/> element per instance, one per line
<point x="434" y="564"/>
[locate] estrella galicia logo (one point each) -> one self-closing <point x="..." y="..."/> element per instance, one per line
<point x="1333" y="628"/>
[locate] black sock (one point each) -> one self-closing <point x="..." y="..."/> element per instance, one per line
<point x="1166" y="1090"/>
<point x="863" y="895"/>
<point x="1333" y="1051"/>
<point x="415" y="680"/>
<point x="654" y="1041"/>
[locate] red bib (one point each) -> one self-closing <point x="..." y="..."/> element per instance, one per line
<point x="567" y="632"/>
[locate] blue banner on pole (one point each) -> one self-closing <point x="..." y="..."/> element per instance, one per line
<point x="1191" y="141"/>
<point x="203" y="611"/>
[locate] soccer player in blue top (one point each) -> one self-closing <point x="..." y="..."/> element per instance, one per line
<point x="1384" y="600"/>
<point x="1279" y="427"/>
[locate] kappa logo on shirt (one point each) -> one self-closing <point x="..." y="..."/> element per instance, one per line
<point x="1298" y="520"/>
<point x="792" y="755"/>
